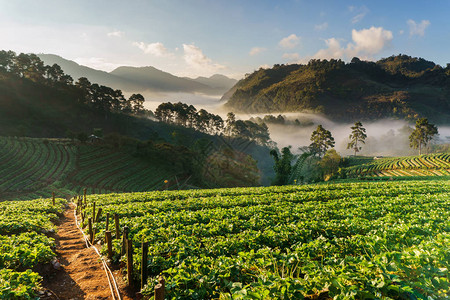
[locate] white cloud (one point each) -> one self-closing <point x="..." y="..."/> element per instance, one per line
<point x="333" y="50"/>
<point x="370" y="41"/>
<point x="116" y="33"/>
<point x="362" y="12"/>
<point x="194" y="58"/>
<point x="156" y="49"/>
<point x="291" y="56"/>
<point x="322" y="26"/>
<point x="256" y="50"/>
<point x="366" y="43"/>
<point x="417" y="28"/>
<point x="290" y="41"/>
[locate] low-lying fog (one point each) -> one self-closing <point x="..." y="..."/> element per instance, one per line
<point x="384" y="137"/>
<point x="211" y="103"/>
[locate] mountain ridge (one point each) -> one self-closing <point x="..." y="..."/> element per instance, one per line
<point x="399" y="87"/>
<point x="140" y="79"/>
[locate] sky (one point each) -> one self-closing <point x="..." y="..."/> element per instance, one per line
<point x="231" y="37"/>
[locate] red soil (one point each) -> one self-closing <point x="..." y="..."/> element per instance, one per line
<point x="81" y="275"/>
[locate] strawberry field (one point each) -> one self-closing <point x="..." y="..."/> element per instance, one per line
<point x="349" y="240"/>
<point x="423" y="165"/>
<point x="24" y="244"/>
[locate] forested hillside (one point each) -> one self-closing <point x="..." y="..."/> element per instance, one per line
<point x="42" y="101"/>
<point x="400" y="87"/>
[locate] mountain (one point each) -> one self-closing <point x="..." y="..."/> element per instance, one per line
<point x="219" y="82"/>
<point x="154" y="79"/>
<point x="401" y="87"/>
<point x="140" y="79"/>
<point x="95" y="76"/>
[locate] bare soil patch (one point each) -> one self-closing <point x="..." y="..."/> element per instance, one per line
<point x="81" y="275"/>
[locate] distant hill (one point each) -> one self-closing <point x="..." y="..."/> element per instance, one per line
<point x="218" y="82"/>
<point x="140" y="79"/>
<point x="399" y="87"/>
<point x="151" y="78"/>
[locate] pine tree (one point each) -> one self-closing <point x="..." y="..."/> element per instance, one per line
<point x="358" y="136"/>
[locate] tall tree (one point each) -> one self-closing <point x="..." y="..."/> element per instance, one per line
<point x="358" y="135"/>
<point x="230" y="127"/>
<point x="321" y="141"/>
<point x="137" y="103"/>
<point x="422" y="134"/>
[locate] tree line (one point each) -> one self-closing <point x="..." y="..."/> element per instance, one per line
<point x="99" y="97"/>
<point x="188" y="116"/>
<point x="328" y="160"/>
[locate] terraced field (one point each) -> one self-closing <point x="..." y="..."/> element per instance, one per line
<point x="34" y="168"/>
<point x="104" y="170"/>
<point x="29" y="166"/>
<point x="424" y="165"/>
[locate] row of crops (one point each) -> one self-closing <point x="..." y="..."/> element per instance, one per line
<point x="32" y="168"/>
<point x="348" y="240"/>
<point x="437" y="164"/>
<point x="28" y="165"/>
<point x="103" y="169"/>
<point x="25" y="243"/>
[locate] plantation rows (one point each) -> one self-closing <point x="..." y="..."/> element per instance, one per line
<point x="34" y="168"/>
<point x="31" y="164"/>
<point x="24" y="244"/>
<point x="105" y="170"/>
<point x="424" y="165"/>
<point x="360" y="240"/>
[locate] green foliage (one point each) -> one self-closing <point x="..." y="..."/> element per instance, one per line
<point x="19" y="285"/>
<point x="397" y="87"/>
<point x="25" y="250"/>
<point x="422" y="134"/>
<point x="329" y="164"/>
<point x="283" y="166"/>
<point x="321" y="141"/>
<point x="359" y="240"/>
<point x="23" y="245"/>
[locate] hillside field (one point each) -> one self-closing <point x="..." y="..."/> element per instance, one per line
<point x="437" y="164"/>
<point x="359" y="240"/>
<point x="31" y="168"/>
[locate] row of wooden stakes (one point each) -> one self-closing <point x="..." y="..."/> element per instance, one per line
<point x="127" y="245"/>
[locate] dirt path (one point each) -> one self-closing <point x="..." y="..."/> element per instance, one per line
<point x="81" y="275"/>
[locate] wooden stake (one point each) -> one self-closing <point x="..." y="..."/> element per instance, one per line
<point x="99" y="213"/>
<point x="116" y="221"/>
<point x="109" y="243"/>
<point x="53" y="196"/>
<point x="93" y="212"/>
<point x="124" y="240"/>
<point x="144" y="260"/>
<point x="162" y="281"/>
<point x="129" y="262"/>
<point x="159" y="292"/>
<point x="107" y="222"/>
<point x="91" y="232"/>
<point x="85" y="199"/>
